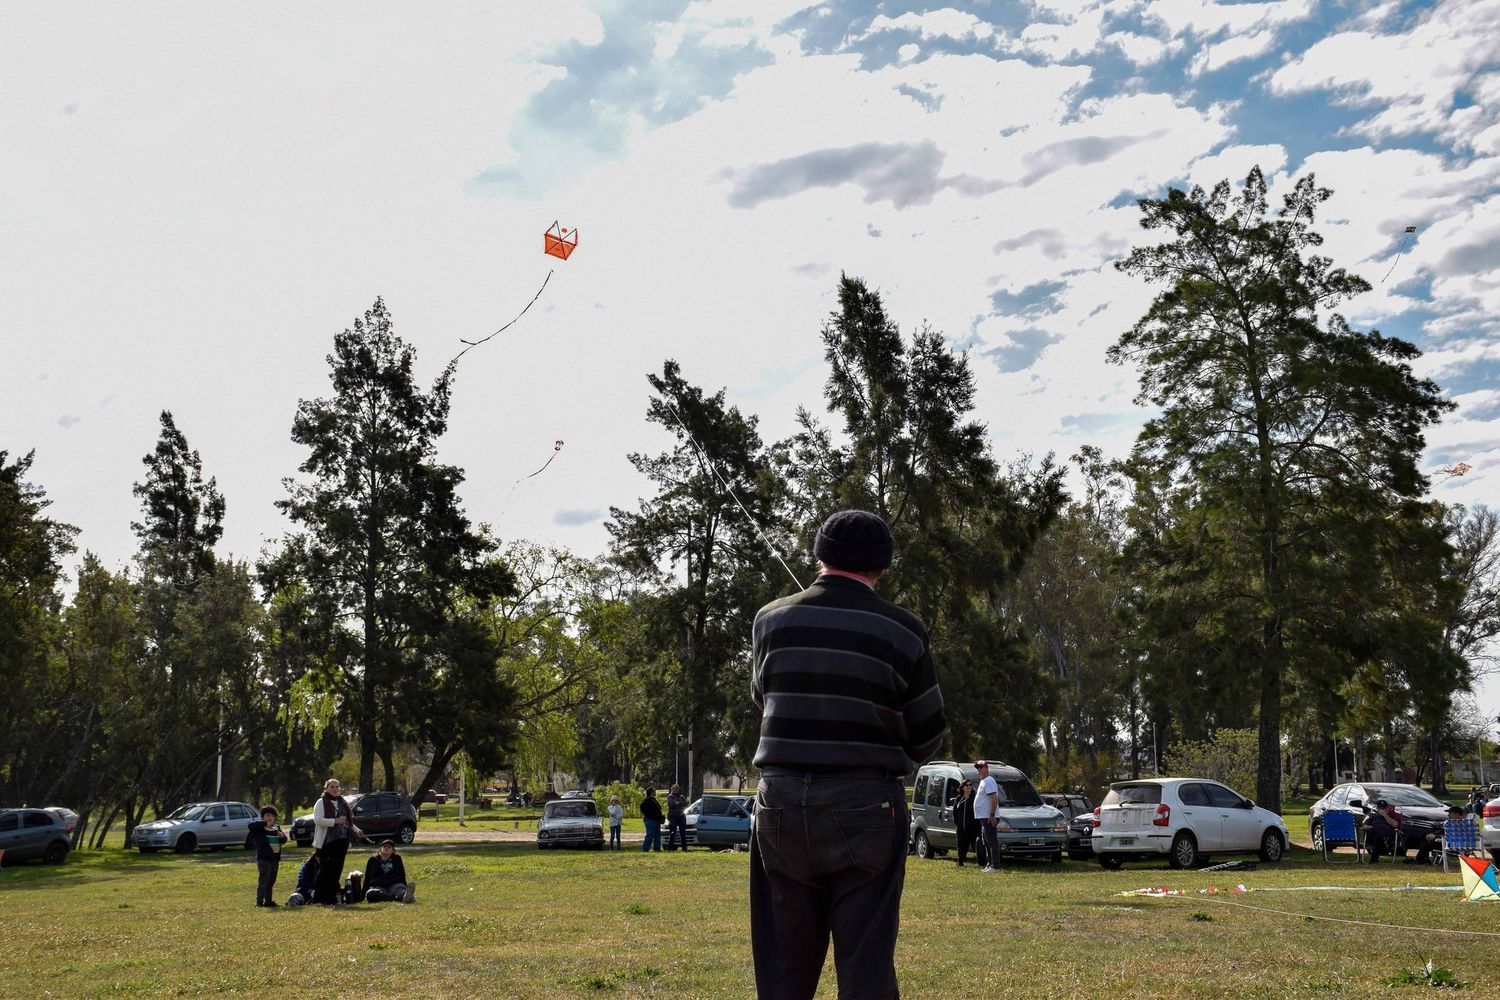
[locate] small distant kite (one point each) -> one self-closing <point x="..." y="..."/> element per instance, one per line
<point x="556" y="447"/>
<point x="556" y="242"/>
<point x="1479" y="879"/>
<point x="1454" y="471"/>
<point x="1405" y="242"/>
<point x="560" y="242"/>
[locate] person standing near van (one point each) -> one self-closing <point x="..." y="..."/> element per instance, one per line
<point x="966" y="826"/>
<point x="987" y="813"/>
<point x="850" y="705"/>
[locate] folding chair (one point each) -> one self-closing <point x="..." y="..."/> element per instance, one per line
<point x="1340" y="830"/>
<point x="1461" y="836"/>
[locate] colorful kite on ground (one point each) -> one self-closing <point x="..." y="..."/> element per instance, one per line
<point x="1479" y="879"/>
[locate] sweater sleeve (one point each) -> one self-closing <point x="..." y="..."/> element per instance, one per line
<point x="400" y="870"/>
<point x="923" y="710"/>
<point x="319" y="819"/>
<point x="370" y="875"/>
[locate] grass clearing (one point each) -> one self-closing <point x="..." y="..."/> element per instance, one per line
<point x="507" y="921"/>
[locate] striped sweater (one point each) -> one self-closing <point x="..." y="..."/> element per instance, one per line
<point x="844" y="681"/>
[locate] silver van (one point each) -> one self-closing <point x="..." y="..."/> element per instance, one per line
<point x="1028" y="826"/>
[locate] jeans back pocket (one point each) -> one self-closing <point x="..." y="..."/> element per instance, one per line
<point x="870" y="835"/>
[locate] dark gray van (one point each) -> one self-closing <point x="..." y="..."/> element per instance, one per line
<point x="1028" y="826"/>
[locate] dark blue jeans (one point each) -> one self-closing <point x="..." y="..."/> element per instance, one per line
<point x="614" y="838"/>
<point x="827" y="860"/>
<point x="676" y="832"/>
<point x="653" y="836"/>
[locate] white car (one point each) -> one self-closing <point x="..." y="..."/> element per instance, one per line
<point x="1490" y="827"/>
<point x="201" y="824"/>
<point x="1183" y="819"/>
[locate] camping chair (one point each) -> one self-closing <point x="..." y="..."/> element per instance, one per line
<point x="1461" y="836"/>
<point x="1339" y="829"/>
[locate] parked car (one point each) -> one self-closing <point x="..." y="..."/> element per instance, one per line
<point x="578" y="793"/>
<point x="1423" y="813"/>
<point x="1079" y="812"/>
<point x="380" y="815"/>
<point x="722" y="820"/>
<point x="694" y="810"/>
<point x="26" y="834"/>
<point x="201" y="824"/>
<point x="1185" y="820"/>
<point x="1490" y="831"/>
<point x="570" y="823"/>
<point x="1028" y="826"/>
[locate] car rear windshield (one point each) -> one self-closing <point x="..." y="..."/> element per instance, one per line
<point x="1133" y="795"/>
<point x="1018" y="792"/>
<point x="576" y="809"/>
<point x="188" y="812"/>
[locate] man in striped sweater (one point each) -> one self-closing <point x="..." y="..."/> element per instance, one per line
<point x="849" y="706"/>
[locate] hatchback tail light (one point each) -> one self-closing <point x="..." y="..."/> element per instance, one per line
<point x="1095" y="821"/>
<point x="1163" y="815"/>
<point x="1492" y="809"/>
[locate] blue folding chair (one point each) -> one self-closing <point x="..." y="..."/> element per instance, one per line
<point x="1461" y="836"/>
<point x="1340" y="830"/>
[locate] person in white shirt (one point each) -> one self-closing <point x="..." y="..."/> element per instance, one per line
<point x="987" y="813"/>
<point x="616" y="816"/>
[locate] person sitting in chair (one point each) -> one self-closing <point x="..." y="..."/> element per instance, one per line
<point x="1386" y="833"/>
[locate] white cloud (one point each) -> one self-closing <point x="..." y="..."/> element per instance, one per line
<point x="1234" y="49"/>
<point x="1410" y="80"/>
<point x="944" y="23"/>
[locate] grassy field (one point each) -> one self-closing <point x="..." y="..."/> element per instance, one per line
<point x="506" y="921"/>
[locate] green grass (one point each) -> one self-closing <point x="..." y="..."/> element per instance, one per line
<point x="507" y="921"/>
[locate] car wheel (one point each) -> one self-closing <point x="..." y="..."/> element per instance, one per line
<point x="185" y="844"/>
<point x="1317" y="837"/>
<point x="924" y="848"/>
<point x="1080" y="855"/>
<point x="1272" y="847"/>
<point x="407" y="833"/>
<point x="1110" y="862"/>
<point x="1184" y="853"/>
<point x="55" y="853"/>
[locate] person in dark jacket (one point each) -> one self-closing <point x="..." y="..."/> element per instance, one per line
<point x="266" y="837"/>
<point x="385" y="877"/>
<point x="307" y="881"/>
<point x="850" y="705"/>
<point x="652" y="816"/>
<point x="676" y="819"/>
<point x="967" y="826"/>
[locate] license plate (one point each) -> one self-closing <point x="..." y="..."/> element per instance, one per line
<point x="1126" y="840"/>
<point x="1037" y="842"/>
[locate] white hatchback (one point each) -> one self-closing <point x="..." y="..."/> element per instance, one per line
<point x="1183" y="819"/>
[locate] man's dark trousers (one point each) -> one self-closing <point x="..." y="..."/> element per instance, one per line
<point x="828" y="858"/>
<point x="677" y="832"/>
<point x="991" y="839"/>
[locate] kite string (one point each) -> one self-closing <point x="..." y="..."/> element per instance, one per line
<point x="1404" y="242"/>
<point x="703" y="461"/>
<point x="1341" y="920"/>
<point x="475" y="343"/>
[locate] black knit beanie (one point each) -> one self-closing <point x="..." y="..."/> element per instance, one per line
<point x="854" y="540"/>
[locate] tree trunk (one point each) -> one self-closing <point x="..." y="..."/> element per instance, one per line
<point x="1268" y="769"/>
<point x="1439" y="777"/>
<point x="440" y="760"/>
<point x="390" y="768"/>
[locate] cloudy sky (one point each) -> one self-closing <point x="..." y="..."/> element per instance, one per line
<point x="194" y="198"/>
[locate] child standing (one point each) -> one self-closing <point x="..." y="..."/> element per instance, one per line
<point x="267" y="838"/>
<point x="616" y="816"/>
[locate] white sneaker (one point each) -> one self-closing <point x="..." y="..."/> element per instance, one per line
<point x="988" y="870"/>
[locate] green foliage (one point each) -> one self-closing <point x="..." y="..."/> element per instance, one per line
<point x="631" y="797"/>
<point x="1228" y="757"/>
<point x="1279" y="527"/>
<point x="387" y="561"/>
<point x="1428" y="974"/>
<point x="911" y="451"/>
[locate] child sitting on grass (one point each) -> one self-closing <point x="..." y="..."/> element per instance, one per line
<point x="266" y="837"/>
<point x="385" y="877"/>
<point x="307" y="881"/>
